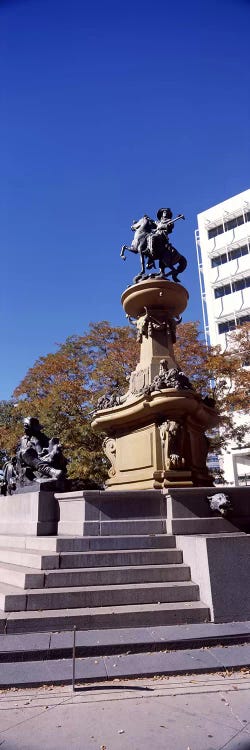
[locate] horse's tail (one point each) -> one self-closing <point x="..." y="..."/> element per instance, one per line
<point x="182" y="264"/>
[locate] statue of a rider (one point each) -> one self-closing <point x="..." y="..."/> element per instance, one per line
<point x="164" y="223"/>
<point x="164" y="227"/>
<point x="151" y="243"/>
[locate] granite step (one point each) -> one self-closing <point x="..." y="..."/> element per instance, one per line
<point x="98" y="543"/>
<point x="42" y="646"/>
<point x="29" y="558"/>
<point x="89" y="618"/>
<point x="42" y="560"/>
<point x="20" y="576"/>
<point x="29" y="578"/>
<point x="125" y="666"/>
<point x="116" y="575"/>
<point x="118" y="558"/>
<point x="83" y="544"/>
<point x="13" y="600"/>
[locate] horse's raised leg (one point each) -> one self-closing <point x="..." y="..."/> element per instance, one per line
<point x="130" y="248"/>
<point x="124" y="247"/>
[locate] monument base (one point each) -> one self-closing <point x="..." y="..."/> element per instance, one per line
<point x="140" y="528"/>
<point x="172" y="511"/>
<point x="30" y="513"/>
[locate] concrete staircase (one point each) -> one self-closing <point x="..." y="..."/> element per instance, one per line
<point x="96" y="582"/>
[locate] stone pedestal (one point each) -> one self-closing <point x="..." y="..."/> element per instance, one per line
<point x="156" y="434"/>
<point x="101" y="513"/>
<point x="156" y="306"/>
<point x="30" y="513"/>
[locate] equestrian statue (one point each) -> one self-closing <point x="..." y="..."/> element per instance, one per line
<point x="151" y="243"/>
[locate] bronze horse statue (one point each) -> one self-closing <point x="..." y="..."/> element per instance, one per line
<point x="151" y="243"/>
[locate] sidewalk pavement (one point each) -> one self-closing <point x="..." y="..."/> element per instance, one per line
<point x="198" y="712"/>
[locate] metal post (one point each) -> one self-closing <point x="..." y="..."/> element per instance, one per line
<point x="74" y="659"/>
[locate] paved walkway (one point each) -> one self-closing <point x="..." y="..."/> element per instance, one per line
<point x="202" y="712"/>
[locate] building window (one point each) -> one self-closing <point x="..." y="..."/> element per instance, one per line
<point x="240" y="284"/>
<point x="238" y="252"/>
<point x="233" y="223"/>
<point x="236" y="221"/>
<point x="215" y="231"/>
<point x="243" y="319"/>
<point x="220" y="291"/>
<point x="219" y="260"/>
<point x="230" y="325"/>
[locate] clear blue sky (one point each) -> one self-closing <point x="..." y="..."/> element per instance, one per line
<point x="108" y="111"/>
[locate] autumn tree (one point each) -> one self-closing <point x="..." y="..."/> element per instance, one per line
<point x="222" y="375"/>
<point x="62" y="388"/>
<point x="9" y="429"/>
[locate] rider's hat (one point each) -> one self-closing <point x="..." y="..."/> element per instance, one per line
<point x="160" y="212"/>
<point x="32" y="422"/>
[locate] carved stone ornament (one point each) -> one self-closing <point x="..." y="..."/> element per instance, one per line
<point x="108" y="401"/>
<point x="219" y="503"/>
<point x="139" y="381"/>
<point x="109" y="447"/>
<point x="172" y="439"/>
<point x="172" y="378"/>
<point x="147" y="324"/>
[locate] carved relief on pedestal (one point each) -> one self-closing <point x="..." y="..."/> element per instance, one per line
<point x="170" y="378"/>
<point x="147" y="324"/>
<point x="172" y="440"/>
<point x="109" y="447"/>
<point x="139" y="381"/>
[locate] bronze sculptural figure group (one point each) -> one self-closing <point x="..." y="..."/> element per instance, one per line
<point x="151" y="243"/>
<point x="37" y="458"/>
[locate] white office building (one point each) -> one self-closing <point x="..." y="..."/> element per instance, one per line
<point x="223" y="253"/>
